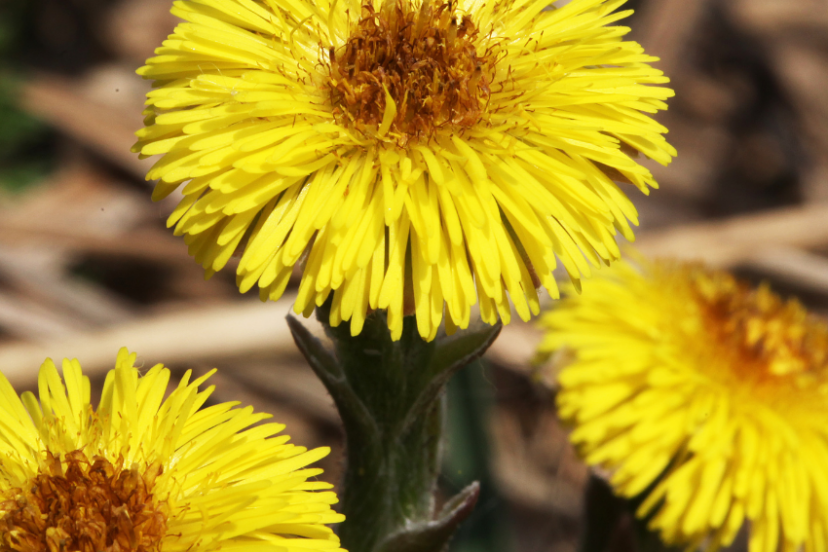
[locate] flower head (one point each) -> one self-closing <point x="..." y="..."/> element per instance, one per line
<point x="713" y="391"/>
<point x="145" y="474"/>
<point x="418" y="156"/>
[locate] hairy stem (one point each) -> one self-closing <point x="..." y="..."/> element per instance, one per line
<point x="391" y="397"/>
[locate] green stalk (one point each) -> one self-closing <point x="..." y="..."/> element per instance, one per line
<point x="468" y="458"/>
<point x="391" y="397"/>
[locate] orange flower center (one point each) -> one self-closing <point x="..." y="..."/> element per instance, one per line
<point x="80" y="505"/>
<point x="749" y="340"/>
<point x="425" y="60"/>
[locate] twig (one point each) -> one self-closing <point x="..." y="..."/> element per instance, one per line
<point x="741" y="239"/>
<point x="102" y="127"/>
<point x="195" y="335"/>
<point x="794" y="266"/>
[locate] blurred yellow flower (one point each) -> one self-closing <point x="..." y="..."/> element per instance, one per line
<point x="410" y="155"/>
<point x="145" y="474"/>
<point x="714" y="390"/>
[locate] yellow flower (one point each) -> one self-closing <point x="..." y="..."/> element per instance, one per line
<point x="410" y="155"/>
<point x="715" y="391"/>
<point x="145" y="474"/>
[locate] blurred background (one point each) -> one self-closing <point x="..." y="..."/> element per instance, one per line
<point x="87" y="266"/>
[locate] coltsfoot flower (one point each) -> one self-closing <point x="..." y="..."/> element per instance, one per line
<point x="146" y="474"/>
<point x="418" y="156"/>
<point x="715" y="391"/>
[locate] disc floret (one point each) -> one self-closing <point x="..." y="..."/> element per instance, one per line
<point x="409" y="70"/>
<point x="78" y="503"/>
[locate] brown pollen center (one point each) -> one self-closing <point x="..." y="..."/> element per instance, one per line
<point x="769" y="337"/>
<point x="80" y="505"/>
<point x="424" y="57"/>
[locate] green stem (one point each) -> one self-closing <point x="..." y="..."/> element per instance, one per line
<point x="391" y="397"/>
<point x="468" y="458"/>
